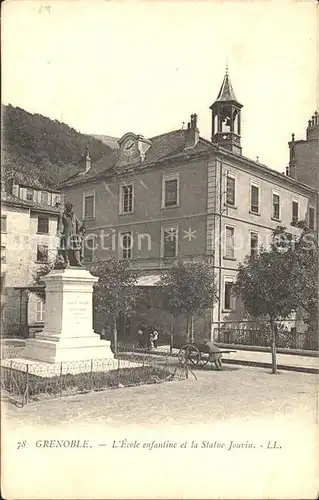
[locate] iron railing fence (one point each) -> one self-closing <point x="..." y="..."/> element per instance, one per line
<point x="26" y="381"/>
<point x="258" y="334"/>
<point x="9" y="351"/>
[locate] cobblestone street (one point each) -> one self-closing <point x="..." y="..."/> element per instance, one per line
<point x="251" y="407"/>
<point x="236" y="392"/>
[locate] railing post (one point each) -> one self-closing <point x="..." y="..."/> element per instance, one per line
<point x="27" y="385"/>
<point x="61" y="373"/>
<point x="91" y="375"/>
<point x="118" y="371"/>
<point x="11" y="376"/>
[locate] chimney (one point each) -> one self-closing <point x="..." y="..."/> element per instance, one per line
<point x="86" y="161"/>
<point x="192" y="133"/>
<point x="8" y="186"/>
<point x="292" y="157"/>
<point x="313" y="127"/>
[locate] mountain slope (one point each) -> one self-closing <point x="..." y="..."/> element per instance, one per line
<point x="42" y="151"/>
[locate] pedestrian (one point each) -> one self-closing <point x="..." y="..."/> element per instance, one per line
<point x="141" y="337"/>
<point x="215" y="355"/>
<point x="155" y="338"/>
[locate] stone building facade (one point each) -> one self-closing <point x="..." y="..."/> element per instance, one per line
<point x="29" y="238"/>
<point x="181" y="196"/>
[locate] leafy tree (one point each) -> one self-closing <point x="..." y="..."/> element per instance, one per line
<point x="116" y="292"/>
<point x="38" y="276"/>
<point x="188" y="287"/>
<point x="280" y="280"/>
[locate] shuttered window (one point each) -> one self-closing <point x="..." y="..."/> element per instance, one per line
<point x="253" y="244"/>
<point x="29" y="195"/>
<point x="169" y="236"/>
<point x="3" y="253"/>
<point x="230" y="232"/>
<point x="276" y="206"/>
<point x="311" y="218"/>
<point x="126" y="243"/>
<point x="39" y="314"/>
<point x="89" y="206"/>
<point x="254" y="199"/>
<point x="43" y="225"/>
<point x="230" y="190"/>
<point x="42" y="253"/>
<point x="228" y="299"/>
<point x="295" y="209"/>
<point x="127" y="199"/>
<point x="44" y="198"/>
<point x="3" y="223"/>
<point x="171" y="192"/>
<point x="88" y="250"/>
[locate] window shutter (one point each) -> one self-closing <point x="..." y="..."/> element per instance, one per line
<point x="294" y="212"/>
<point x="254" y="199"/>
<point x="171" y="192"/>
<point x="311" y="218"/>
<point x="230" y="242"/>
<point x="276" y="203"/>
<point x="170" y="242"/>
<point x="89" y="207"/>
<point x="230" y="195"/>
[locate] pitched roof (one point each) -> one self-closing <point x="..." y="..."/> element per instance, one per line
<point x="164" y="146"/>
<point x="226" y="92"/>
<point x="10" y="199"/>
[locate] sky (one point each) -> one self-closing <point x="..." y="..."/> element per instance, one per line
<point x="111" y="67"/>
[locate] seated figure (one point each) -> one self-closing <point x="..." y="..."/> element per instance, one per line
<point x="214" y="354"/>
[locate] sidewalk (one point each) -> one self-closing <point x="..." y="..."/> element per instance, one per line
<point x="284" y="361"/>
<point x="291" y="362"/>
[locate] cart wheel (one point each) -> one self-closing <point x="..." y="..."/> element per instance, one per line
<point x="203" y="360"/>
<point x="189" y="352"/>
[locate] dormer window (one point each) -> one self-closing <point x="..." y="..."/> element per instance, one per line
<point x="44" y="198"/>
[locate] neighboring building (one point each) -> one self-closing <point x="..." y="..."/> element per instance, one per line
<point x="304" y="155"/>
<point x="180" y="196"/>
<point x="29" y="220"/>
<point x="304" y="166"/>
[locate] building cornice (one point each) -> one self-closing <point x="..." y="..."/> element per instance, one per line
<point x="213" y="150"/>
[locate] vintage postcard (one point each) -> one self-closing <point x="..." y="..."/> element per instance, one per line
<point x="159" y="250"/>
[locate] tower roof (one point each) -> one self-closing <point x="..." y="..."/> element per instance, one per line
<point x="226" y="92"/>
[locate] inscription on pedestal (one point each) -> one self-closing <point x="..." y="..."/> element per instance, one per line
<point x="79" y="310"/>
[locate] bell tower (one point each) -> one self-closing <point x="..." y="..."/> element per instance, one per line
<point x="226" y="118"/>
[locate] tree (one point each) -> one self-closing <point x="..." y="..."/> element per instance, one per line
<point x="279" y="280"/>
<point x="116" y="292"/>
<point x="188" y="287"/>
<point x="38" y="276"/>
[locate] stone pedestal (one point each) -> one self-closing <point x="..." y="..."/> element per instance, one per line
<point x="68" y="334"/>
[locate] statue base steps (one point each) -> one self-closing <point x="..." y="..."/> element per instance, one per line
<point x="45" y="370"/>
<point x="68" y="333"/>
<point x="54" y="349"/>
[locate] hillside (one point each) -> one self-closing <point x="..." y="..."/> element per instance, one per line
<point x="42" y="151"/>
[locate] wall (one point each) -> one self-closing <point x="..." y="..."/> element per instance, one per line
<point x="244" y="223"/>
<point x="202" y="207"/>
<point x="148" y="216"/>
<point x="21" y="241"/>
<point x="307" y="162"/>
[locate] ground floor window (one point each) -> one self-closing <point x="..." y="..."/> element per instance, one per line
<point x="228" y="297"/>
<point x="39" y="314"/>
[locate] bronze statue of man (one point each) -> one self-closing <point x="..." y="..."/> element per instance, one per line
<point x="70" y="252"/>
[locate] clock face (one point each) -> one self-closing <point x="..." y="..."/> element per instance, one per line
<point x="129" y="147"/>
